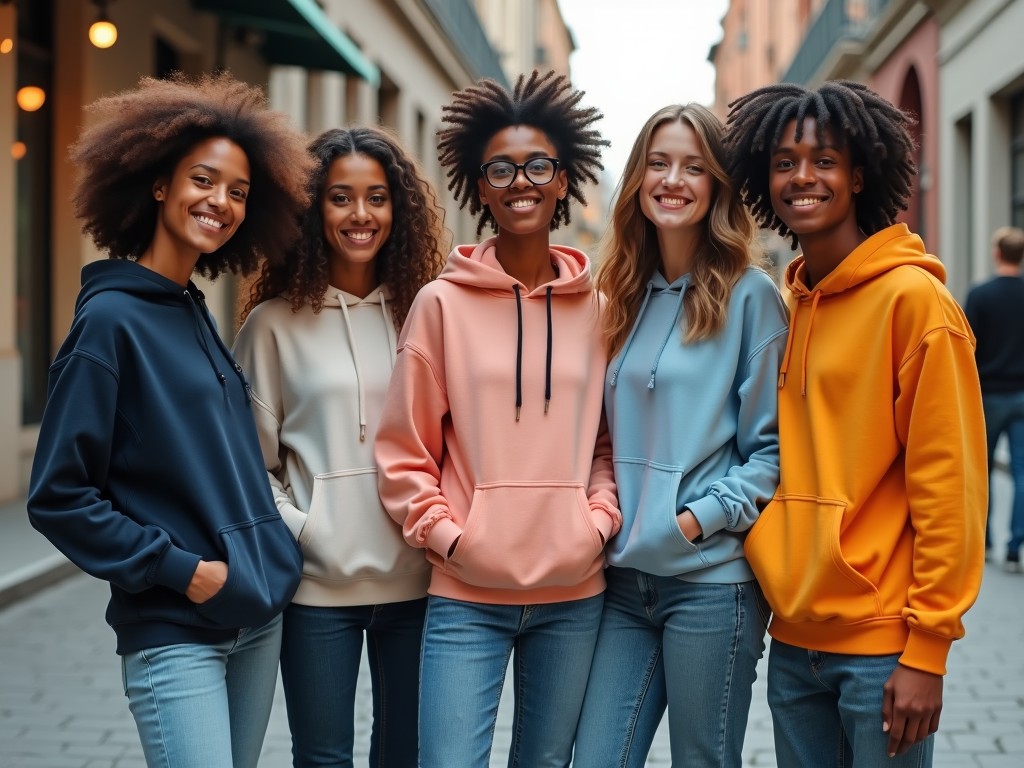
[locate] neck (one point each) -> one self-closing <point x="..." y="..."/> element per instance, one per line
<point x="165" y="260"/>
<point x="356" y="279"/>
<point x="527" y="258"/>
<point x="825" y="251"/>
<point x="677" y="248"/>
<point x="1007" y="270"/>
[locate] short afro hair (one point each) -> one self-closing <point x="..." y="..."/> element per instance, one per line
<point x="546" y="102"/>
<point x="876" y="132"/>
<point x="140" y="135"/>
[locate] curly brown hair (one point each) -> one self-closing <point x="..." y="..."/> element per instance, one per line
<point x="138" y="137"/>
<point x="547" y="102"/>
<point x="412" y="255"/>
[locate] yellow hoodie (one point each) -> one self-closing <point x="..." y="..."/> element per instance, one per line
<point x="874" y="542"/>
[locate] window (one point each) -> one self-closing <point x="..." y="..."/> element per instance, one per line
<point x="1017" y="160"/>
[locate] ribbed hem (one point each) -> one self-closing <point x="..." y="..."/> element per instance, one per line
<point x="926" y="652"/>
<point x="444" y="585"/>
<point x="878" y="637"/>
<point x="396" y="588"/>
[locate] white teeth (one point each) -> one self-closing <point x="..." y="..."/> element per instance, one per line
<point x="801" y="201"/>
<point x="361" y="236"/>
<point x="208" y="221"/>
<point x="522" y="203"/>
<point x="672" y="200"/>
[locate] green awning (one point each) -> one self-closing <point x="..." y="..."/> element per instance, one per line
<point x="296" y="33"/>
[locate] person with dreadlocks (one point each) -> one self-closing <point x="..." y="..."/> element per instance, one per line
<point x="872" y="549"/>
<point x="318" y="342"/>
<point x="492" y="450"/>
<point x="695" y="330"/>
<point x="148" y="472"/>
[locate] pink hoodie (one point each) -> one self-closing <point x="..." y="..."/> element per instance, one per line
<point x="530" y="489"/>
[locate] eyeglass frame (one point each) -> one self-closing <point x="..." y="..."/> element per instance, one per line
<point x="517" y="167"/>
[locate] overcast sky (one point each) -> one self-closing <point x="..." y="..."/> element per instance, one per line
<point x="635" y="56"/>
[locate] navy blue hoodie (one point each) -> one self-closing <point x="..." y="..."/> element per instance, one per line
<point x="148" y="462"/>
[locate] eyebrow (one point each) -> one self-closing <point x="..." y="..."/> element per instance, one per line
<point x="373" y="188"/>
<point x="660" y="153"/>
<point x="508" y="158"/>
<point x="216" y="171"/>
<point x="792" y="147"/>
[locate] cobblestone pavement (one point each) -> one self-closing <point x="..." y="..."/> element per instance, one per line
<point x="61" y="703"/>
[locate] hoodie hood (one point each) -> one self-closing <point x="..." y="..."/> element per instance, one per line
<point x="132" y="278"/>
<point x="478" y="266"/>
<point x="895" y="246"/>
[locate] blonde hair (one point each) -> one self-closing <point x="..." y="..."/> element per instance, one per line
<point x="630" y="249"/>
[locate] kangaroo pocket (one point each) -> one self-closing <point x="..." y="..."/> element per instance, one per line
<point x="527" y="535"/>
<point x="348" y="535"/>
<point x="794" y="549"/>
<point x="264" y="565"/>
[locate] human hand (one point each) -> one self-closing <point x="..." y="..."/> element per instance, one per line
<point x="689" y="525"/>
<point x="207" y="581"/>
<point x="911" y="704"/>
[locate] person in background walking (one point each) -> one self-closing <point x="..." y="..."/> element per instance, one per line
<point x="318" y="344"/>
<point x="995" y="310"/>
<point x="148" y="472"/>
<point x="492" y="449"/>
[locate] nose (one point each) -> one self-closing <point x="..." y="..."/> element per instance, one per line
<point x="521" y="175"/>
<point x="673" y="177"/>
<point x="219" y="196"/>
<point x="359" y="212"/>
<point x="804" y="172"/>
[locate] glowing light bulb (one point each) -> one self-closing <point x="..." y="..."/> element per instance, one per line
<point x="6" y="45"/>
<point x="103" y="33"/>
<point x="18" y="150"/>
<point x="30" y="98"/>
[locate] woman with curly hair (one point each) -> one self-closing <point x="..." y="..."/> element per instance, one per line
<point x="491" y="448"/>
<point x="695" y="331"/>
<point x="319" y="345"/>
<point x="148" y="472"/>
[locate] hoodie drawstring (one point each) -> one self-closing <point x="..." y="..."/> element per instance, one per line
<point x="784" y="368"/>
<point x="632" y="333"/>
<point x="547" y="364"/>
<point x="519" y="352"/>
<point x="668" y="335"/>
<point x="225" y="351"/>
<point x="355" y="362"/>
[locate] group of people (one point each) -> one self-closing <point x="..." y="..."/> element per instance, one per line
<point x="615" y="480"/>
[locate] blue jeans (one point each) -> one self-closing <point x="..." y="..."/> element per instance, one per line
<point x="466" y="649"/>
<point x="320" y="655"/>
<point x="666" y="642"/>
<point x="204" y="706"/>
<point x="827" y="710"/>
<point x="1004" y="412"/>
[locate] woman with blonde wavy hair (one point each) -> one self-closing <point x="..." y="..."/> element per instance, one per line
<point x="695" y="331"/>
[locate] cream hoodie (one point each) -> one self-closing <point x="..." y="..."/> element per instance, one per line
<point x="493" y="432"/>
<point x="318" y="384"/>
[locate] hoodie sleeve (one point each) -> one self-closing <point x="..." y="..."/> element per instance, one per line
<point x="940" y="421"/>
<point x="255" y="350"/>
<point x="72" y="460"/>
<point x="735" y="501"/>
<point x="410" y="438"/>
<point x="604" y="504"/>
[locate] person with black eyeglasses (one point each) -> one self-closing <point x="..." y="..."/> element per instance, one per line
<point x="492" y="451"/>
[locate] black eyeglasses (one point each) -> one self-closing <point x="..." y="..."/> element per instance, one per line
<point x="501" y="173"/>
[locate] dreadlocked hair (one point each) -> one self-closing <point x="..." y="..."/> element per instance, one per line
<point x="411" y="256"/>
<point x="138" y="136"/>
<point x="876" y="131"/>
<point x="630" y="253"/>
<point x="546" y="102"/>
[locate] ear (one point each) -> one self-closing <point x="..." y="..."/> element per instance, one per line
<point x="481" y="188"/>
<point x="858" y="180"/>
<point x="160" y="190"/>
<point x="563" y="184"/>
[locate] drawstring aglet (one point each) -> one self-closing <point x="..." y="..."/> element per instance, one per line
<point x="518" y="408"/>
<point x="782" y="379"/>
<point x="650" y="384"/>
<point x="362" y="433"/>
<point x="546" y="404"/>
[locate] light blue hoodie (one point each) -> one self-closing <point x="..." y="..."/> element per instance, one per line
<point x="695" y="425"/>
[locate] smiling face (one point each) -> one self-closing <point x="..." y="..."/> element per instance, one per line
<point x="812" y="185"/>
<point x="356" y="209"/>
<point x="523" y="207"/>
<point x="677" y="188"/>
<point x="203" y="203"/>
